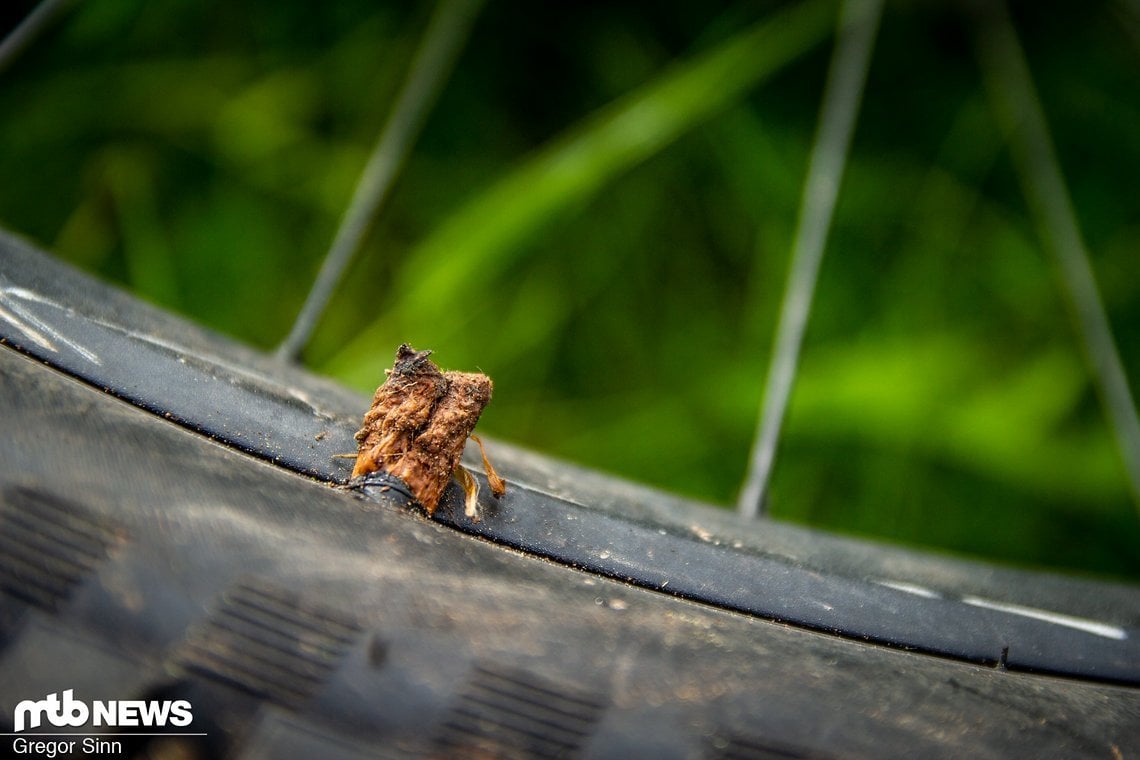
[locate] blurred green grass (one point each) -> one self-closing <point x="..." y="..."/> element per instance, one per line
<point x="599" y="215"/>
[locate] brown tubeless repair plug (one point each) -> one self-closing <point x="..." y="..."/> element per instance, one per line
<point x="418" y="425"/>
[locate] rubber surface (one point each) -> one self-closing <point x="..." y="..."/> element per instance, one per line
<point x="163" y="563"/>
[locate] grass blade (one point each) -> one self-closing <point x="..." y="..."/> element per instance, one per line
<point x="485" y="236"/>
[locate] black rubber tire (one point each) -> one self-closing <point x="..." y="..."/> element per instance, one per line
<point x="173" y="526"/>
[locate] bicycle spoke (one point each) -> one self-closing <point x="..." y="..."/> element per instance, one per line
<point x="33" y="25"/>
<point x="445" y="35"/>
<point x="858" y="22"/>
<point x="1019" y="109"/>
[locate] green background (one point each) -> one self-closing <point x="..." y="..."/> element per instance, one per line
<point x="599" y="215"/>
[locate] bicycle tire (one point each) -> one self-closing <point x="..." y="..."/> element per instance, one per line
<point x="174" y="528"/>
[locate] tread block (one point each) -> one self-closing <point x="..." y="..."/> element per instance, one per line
<point x="269" y="643"/>
<point x="507" y="713"/>
<point x="741" y="747"/>
<point x="48" y="544"/>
